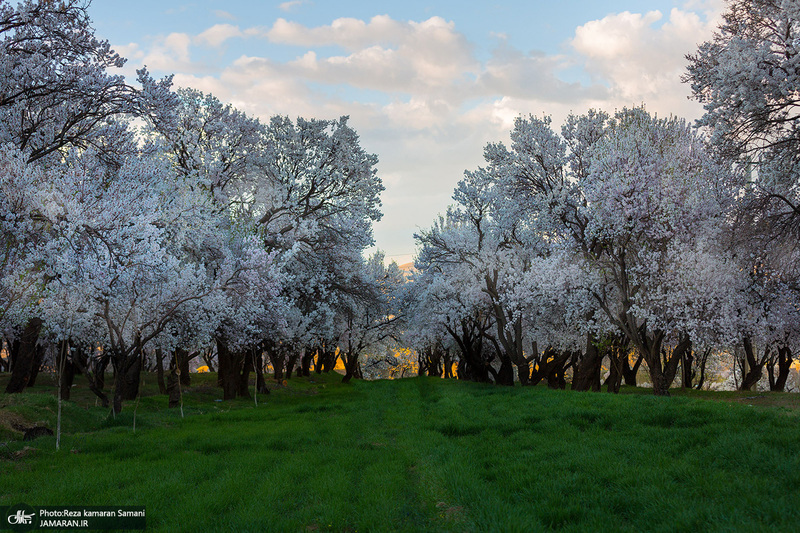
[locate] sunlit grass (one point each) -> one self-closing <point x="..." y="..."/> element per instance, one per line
<point x="421" y="454"/>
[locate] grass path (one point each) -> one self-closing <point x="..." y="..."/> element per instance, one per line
<point x="420" y="455"/>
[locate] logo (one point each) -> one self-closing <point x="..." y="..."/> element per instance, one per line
<point x="21" y="517"/>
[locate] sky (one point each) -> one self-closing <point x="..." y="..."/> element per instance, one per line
<point x="426" y="83"/>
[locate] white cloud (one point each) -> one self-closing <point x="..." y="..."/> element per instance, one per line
<point x="170" y="54"/>
<point x="349" y="33"/>
<point x="641" y="60"/>
<point x="224" y="15"/>
<point x="218" y="34"/>
<point x="288" y="6"/>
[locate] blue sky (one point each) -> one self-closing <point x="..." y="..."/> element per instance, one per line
<point x="426" y="83"/>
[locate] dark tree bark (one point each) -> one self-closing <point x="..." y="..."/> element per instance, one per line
<point x="587" y="372"/>
<point x="783" y="361"/>
<point x="183" y="363"/>
<point x="551" y="367"/>
<point x="243" y="378"/>
<point x="278" y="361"/>
<point x="629" y="372"/>
<point x="350" y="366"/>
<point x="448" y="364"/>
<point x="677" y="355"/>
<point x="25" y="358"/>
<point x="305" y="362"/>
<point x="208" y="359"/>
<point x="229" y="370"/>
<point x="649" y="343"/>
<point x="473" y="363"/>
<point x="755" y="364"/>
<point x="127" y="373"/>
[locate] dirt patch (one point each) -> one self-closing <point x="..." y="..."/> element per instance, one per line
<point x="14" y="423"/>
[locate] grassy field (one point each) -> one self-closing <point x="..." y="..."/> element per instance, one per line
<point x="419" y="454"/>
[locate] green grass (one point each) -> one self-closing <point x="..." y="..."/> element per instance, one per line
<point x="419" y="454"/>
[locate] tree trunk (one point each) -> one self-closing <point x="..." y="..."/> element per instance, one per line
<point x="678" y="354"/>
<point x="702" y="364"/>
<point x="614" y="380"/>
<point x="183" y="364"/>
<point x="101" y="364"/>
<point x="132" y="378"/>
<point x="756" y="366"/>
<point x="261" y="384"/>
<point x="243" y="378"/>
<point x="687" y="372"/>
<point x="277" y="359"/>
<point x="173" y="387"/>
<point x="66" y="369"/>
<point x="126" y="378"/>
<point x="294" y="355"/>
<point x="37" y="365"/>
<point x="629" y="372"/>
<point x="448" y="364"/>
<point x="305" y="362"/>
<point x="587" y="373"/>
<point x="228" y="370"/>
<point x="26" y="357"/>
<point x="784" y="366"/>
<point x="162" y="387"/>
<point x="650" y="345"/>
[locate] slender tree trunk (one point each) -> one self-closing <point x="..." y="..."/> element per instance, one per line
<point x="25" y="358"/>
<point x="66" y="369"/>
<point x="173" y="388"/>
<point x="243" y="378"/>
<point x="614" y="380"/>
<point x="687" y="371"/>
<point x="261" y="384"/>
<point x="162" y="387"/>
